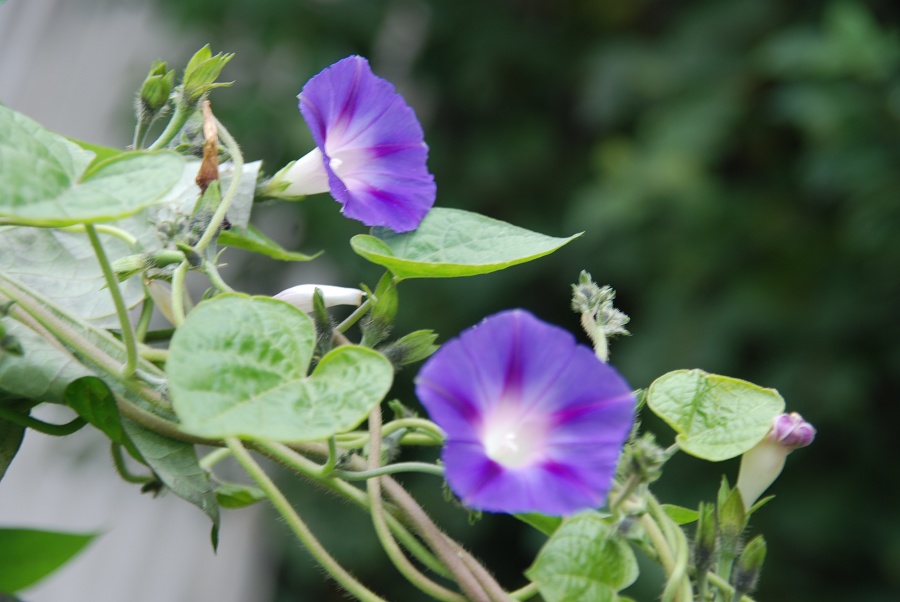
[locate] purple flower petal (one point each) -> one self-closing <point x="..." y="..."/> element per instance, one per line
<point x="534" y="422"/>
<point x="372" y="146"/>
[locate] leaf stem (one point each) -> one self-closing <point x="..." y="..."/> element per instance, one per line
<point x="122" y="235"/>
<point x="401" y="562"/>
<point x="306" y="537"/>
<point x="121" y="311"/>
<point x="143" y="323"/>
<point x="362" y="475"/>
<point x="525" y="592"/>
<point x="122" y="468"/>
<point x="354" y="317"/>
<point x="418" y="424"/>
<point x="179" y="118"/>
<point x="723" y="586"/>
<point x="306" y="467"/>
<point x="28" y="421"/>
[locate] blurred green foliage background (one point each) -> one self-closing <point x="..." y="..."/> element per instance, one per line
<point x="735" y="166"/>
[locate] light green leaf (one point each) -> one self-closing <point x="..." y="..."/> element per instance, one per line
<point x="451" y="243"/>
<point x="29" y="555"/>
<point x="238" y="367"/>
<point x="101" y="153"/>
<point x="255" y="241"/>
<point x="42" y="372"/>
<point x="584" y="560"/>
<point x="545" y="524"/>
<point x="234" y="495"/>
<point x="46" y="180"/>
<point x="680" y="514"/>
<point x="716" y="417"/>
<point x="62" y="266"/>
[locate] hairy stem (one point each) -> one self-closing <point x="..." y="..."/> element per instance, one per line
<point x="300" y="529"/>
<point x="404" y="566"/>
<point x="112" y="284"/>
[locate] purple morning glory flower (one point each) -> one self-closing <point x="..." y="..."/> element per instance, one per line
<point x="370" y="150"/>
<point x="534" y="421"/>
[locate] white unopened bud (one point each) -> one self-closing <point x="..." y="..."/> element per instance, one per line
<point x="301" y="296"/>
<point x="761" y="465"/>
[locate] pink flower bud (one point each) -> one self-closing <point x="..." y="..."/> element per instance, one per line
<point x="761" y="465"/>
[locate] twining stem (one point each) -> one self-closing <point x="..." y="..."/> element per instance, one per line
<point x="56" y="430"/>
<point x="419" y="424"/>
<point x="112" y="283"/>
<point x="213" y="458"/>
<point x="329" y="465"/>
<point x="362" y="475"/>
<point x="179" y="118"/>
<point x="306" y="467"/>
<point x="723" y="586"/>
<point x="665" y="535"/>
<point x="354" y="317"/>
<point x="143" y="323"/>
<point x="404" y="566"/>
<point x="449" y="553"/>
<point x="306" y="537"/>
<point x="122" y="235"/>
<point x="122" y="468"/>
<point x="178" y="277"/>
<point x="622" y="493"/>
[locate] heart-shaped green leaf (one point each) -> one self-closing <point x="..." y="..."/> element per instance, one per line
<point x="47" y="180"/>
<point x="238" y="368"/>
<point x="451" y="243"/>
<point x="584" y="560"/>
<point x="716" y="417"/>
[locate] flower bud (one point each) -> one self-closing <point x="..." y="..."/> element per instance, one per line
<point x="746" y="570"/>
<point x="761" y="465"/>
<point x="156" y="88"/>
<point x="412" y="348"/>
<point x="732" y="520"/>
<point x="705" y="538"/>
<point x="301" y="296"/>
<point x="201" y="73"/>
<point x="600" y="320"/>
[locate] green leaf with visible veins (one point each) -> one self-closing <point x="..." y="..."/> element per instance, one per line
<point x="47" y="180"/>
<point x="716" y="417"/>
<point x="238" y="367"/>
<point x="584" y="560"/>
<point x="451" y="243"/>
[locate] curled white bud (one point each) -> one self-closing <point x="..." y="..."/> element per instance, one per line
<point x="761" y="465"/>
<point x="301" y="296"/>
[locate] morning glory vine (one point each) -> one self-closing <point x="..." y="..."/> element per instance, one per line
<point x="522" y="419"/>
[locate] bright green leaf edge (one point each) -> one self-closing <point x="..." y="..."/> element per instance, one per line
<point x="29" y="555"/>
<point x="389" y="249"/>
